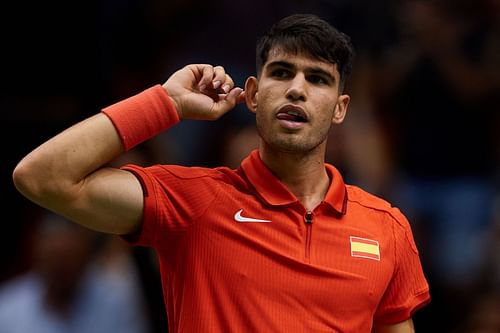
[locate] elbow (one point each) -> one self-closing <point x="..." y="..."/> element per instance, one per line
<point x="43" y="184"/>
<point x="25" y="179"/>
<point x="36" y="181"/>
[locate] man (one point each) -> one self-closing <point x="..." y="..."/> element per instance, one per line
<point x="280" y="244"/>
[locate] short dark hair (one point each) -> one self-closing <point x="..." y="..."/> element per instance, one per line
<point x="310" y="35"/>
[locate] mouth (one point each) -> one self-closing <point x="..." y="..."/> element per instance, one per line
<point x="292" y="114"/>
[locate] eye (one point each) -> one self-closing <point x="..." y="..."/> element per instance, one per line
<point x="317" y="79"/>
<point x="281" y="73"/>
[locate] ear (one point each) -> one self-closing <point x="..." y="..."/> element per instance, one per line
<point x="340" y="109"/>
<point x="251" y="87"/>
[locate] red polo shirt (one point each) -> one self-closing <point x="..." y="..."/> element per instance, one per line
<point x="239" y="253"/>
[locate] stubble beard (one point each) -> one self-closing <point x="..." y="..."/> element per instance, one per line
<point x="290" y="142"/>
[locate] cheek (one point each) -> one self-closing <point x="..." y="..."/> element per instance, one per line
<point x="266" y="103"/>
<point x="271" y="91"/>
<point x="327" y="105"/>
<point x="262" y="120"/>
<point x="265" y="97"/>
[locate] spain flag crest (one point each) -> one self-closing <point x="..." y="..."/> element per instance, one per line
<point x="365" y="248"/>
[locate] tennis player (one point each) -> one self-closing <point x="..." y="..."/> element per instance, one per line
<point x="280" y="244"/>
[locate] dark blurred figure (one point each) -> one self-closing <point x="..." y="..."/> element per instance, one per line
<point x="438" y="92"/>
<point x="80" y="283"/>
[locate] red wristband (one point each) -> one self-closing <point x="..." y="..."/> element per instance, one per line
<point x="142" y="116"/>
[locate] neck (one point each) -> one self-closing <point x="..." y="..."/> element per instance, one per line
<point x="304" y="174"/>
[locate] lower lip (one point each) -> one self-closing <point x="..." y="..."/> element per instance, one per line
<point x="293" y="125"/>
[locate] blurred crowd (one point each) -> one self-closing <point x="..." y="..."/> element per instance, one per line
<point x="422" y="131"/>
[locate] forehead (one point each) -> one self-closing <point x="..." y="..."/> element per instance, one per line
<point x="300" y="60"/>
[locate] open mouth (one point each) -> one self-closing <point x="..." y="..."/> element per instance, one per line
<point x="292" y="113"/>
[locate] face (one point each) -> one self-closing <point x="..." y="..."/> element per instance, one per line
<point x="296" y="100"/>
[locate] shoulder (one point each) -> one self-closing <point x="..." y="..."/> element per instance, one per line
<point x="189" y="182"/>
<point x="367" y="200"/>
<point x="183" y="172"/>
<point x="391" y="215"/>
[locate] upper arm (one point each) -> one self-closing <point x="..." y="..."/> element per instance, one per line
<point x="109" y="200"/>
<point x="403" y="327"/>
<point x="408" y="289"/>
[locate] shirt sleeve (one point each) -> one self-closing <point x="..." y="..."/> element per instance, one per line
<point x="174" y="197"/>
<point x="408" y="289"/>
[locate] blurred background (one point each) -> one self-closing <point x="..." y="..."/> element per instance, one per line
<point x="423" y="131"/>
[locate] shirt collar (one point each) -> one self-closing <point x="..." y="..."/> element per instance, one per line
<point x="274" y="192"/>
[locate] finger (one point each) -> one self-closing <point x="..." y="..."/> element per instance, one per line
<point x="228" y="84"/>
<point x="219" y="77"/>
<point x="236" y="96"/>
<point x="241" y="97"/>
<point x="228" y="103"/>
<point x="207" y="76"/>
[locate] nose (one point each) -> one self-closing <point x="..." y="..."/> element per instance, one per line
<point x="297" y="91"/>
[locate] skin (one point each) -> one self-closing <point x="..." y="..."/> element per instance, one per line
<point x="296" y="155"/>
<point x="66" y="174"/>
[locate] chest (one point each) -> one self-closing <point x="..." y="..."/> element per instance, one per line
<point x="283" y="253"/>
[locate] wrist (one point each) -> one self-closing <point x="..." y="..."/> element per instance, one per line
<point x="142" y="116"/>
<point x="173" y="102"/>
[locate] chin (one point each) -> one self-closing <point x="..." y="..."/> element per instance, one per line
<point x="291" y="146"/>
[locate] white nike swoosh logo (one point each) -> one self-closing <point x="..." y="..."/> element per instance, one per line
<point x="239" y="218"/>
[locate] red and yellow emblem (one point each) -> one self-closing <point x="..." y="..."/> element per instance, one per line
<point x="365" y="248"/>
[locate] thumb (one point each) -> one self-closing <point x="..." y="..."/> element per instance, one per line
<point x="229" y="102"/>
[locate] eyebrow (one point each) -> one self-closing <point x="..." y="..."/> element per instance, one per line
<point x="311" y="70"/>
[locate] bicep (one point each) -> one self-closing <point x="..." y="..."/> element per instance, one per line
<point x="109" y="200"/>
<point x="403" y="327"/>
